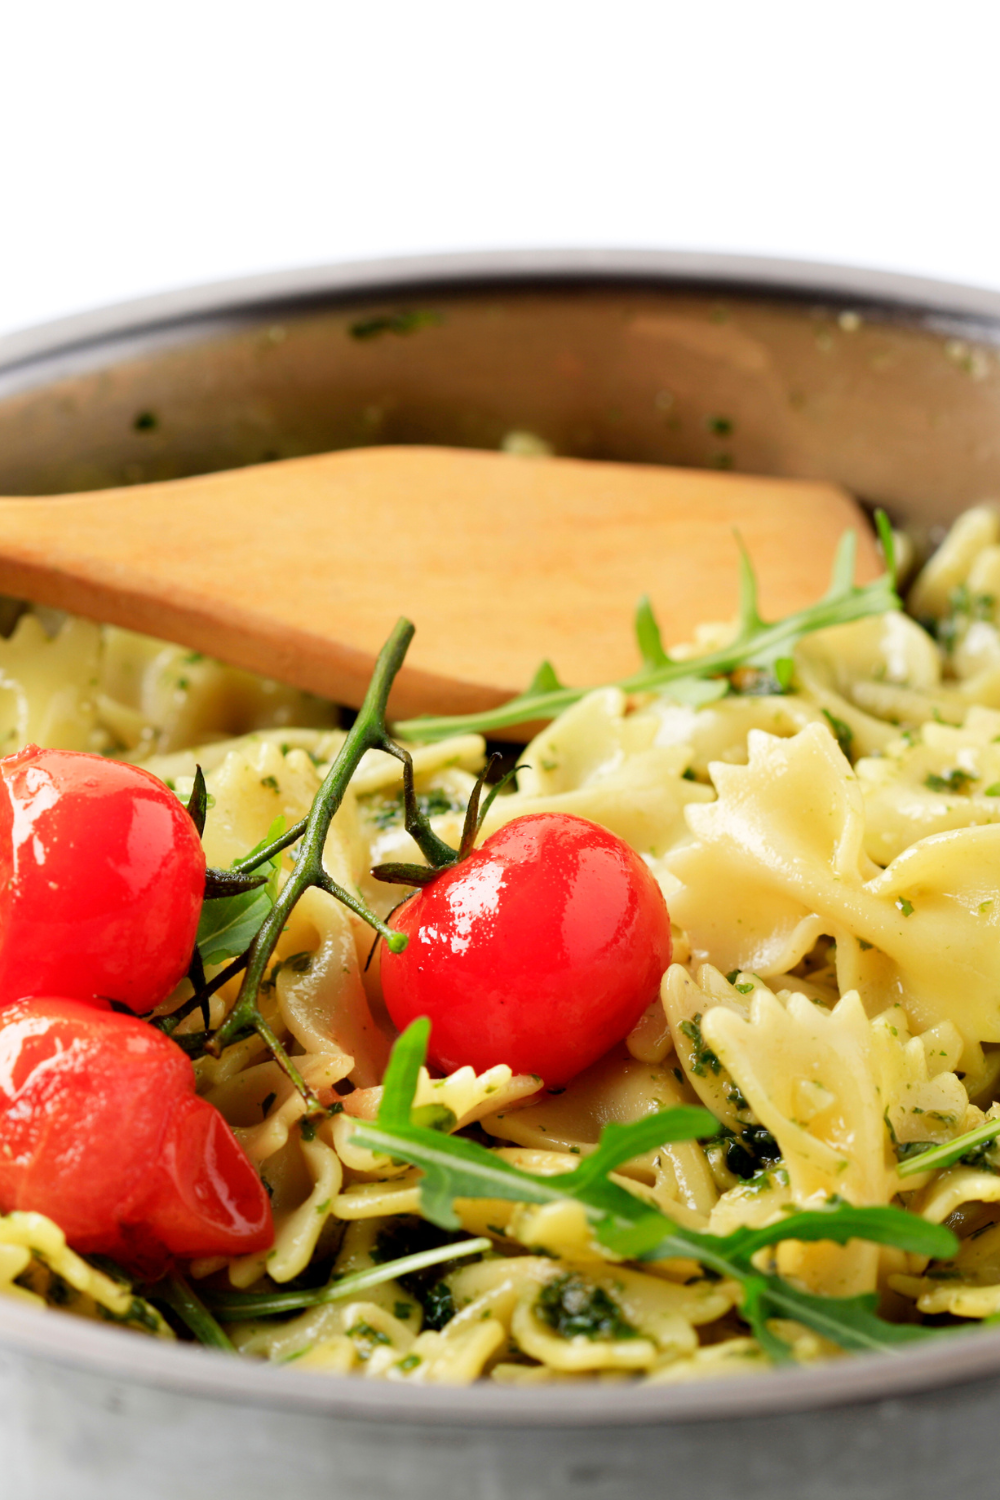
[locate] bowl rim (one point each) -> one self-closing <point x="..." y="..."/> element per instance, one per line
<point x="64" y="1342"/>
<point x="32" y="356"/>
<point x="894" y="296"/>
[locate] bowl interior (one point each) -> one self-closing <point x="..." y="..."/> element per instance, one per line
<point x="895" y="398"/>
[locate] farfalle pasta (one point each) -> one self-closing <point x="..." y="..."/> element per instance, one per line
<point x="825" y="827"/>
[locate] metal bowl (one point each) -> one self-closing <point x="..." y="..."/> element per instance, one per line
<point x="888" y="384"/>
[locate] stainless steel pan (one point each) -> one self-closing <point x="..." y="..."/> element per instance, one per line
<point x="888" y="384"/>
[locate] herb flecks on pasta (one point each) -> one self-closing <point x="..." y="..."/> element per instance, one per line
<point x="794" y="1153"/>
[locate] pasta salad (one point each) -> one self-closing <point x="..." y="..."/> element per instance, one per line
<point x="671" y="1051"/>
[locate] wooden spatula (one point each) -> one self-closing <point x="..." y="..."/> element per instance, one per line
<point x="298" y="569"/>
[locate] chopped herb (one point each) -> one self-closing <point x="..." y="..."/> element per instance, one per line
<point x="265" y="1105"/>
<point x="573" y="1308"/>
<point x="408" y="1362"/>
<point x="307" y="1130"/>
<point x="744" y="989"/>
<point x="439" y="1306"/>
<point x="720" y="426"/>
<point x="399" y="323"/>
<point x="702" y="1059"/>
<point x="906" y="907"/>
<point x="146" y="421"/>
<point x="953" y="781"/>
<point x="963" y="609"/>
<point x="865" y="947"/>
<point x="993" y="790"/>
<point x="270" y="781"/>
<point x="387" y="811"/>
<point x="402" y="1310"/>
<point x="367" y="1337"/>
<point x="748" y="1152"/>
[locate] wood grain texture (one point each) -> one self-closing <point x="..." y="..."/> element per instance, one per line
<point x="298" y="569"/>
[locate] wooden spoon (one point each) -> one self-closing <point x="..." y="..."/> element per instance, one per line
<point x="298" y="569"/>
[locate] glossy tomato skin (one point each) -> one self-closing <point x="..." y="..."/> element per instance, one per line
<point x="541" y="950"/>
<point x="101" y="1130"/>
<point x="102" y="876"/>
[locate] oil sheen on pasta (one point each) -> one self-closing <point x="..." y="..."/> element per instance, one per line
<point x="831" y="858"/>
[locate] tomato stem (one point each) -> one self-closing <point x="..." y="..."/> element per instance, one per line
<point x="268" y="851"/>
<point x="368" y="732"/>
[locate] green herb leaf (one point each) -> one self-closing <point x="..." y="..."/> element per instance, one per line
<point x="841" y="1222"/>
<point x="851" y="1322"/>
<point x="758" y="644"/>
<point x="228" y="924"/>
<point x="631" y="1227"/>
<point x="232" y="1306"/>
<point x="947" y="1154"/>
<point x="648" y="638"/>
<point x="197" y="805"/>
<point x="175" y="1292"/>
<point x="545" y="680"/>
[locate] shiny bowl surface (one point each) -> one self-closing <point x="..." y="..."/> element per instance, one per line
<point x="886" y="384"/>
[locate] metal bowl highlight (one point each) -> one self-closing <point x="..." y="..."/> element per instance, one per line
<point x="887" y="384"/>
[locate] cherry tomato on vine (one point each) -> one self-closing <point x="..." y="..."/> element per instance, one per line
<point x="101" y="1129"/>
<point x="102" y="876"/>
<point x="540" y="950"/>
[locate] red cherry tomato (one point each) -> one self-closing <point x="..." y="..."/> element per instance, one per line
<point x="100" y="1129"/>
<point x="541" y="950"/>
<point x="102" y="876"/>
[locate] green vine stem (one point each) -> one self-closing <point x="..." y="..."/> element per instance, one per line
<point x="367" y="733"/>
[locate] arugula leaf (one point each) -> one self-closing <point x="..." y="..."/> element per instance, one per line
<point x="851" y="1322"/>
<point x="232" y="1306"/>
<point x="625" y="1223"/>
<point x="399" y="1082"/>
<point x="647" y="635"/>
<point x="840" y="1222"/>
<point x="228" y="924"/>
<point x="545" y="679"/>
<point x="757" y="644"/>
<point x="949" y="1152"/>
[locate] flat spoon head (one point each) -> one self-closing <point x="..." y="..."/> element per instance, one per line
<point x="298" y="569"/>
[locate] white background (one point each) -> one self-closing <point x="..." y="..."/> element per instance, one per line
<point x="145" y="146"/>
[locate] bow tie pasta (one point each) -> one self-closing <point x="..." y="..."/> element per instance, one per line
<point x="778" y="860"/>
<point x="825" y="826"/>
